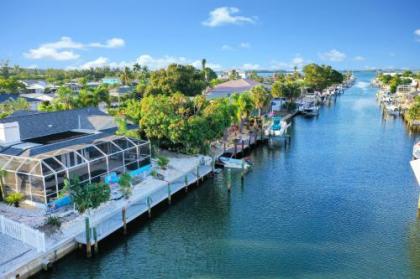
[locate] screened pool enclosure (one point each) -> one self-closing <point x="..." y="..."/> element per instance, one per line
<point x="41" y="178"/>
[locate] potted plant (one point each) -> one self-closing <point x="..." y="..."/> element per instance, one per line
<point x="15" y="198"/>
<point x="162" y="162"/>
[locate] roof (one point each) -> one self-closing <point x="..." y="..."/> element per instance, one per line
<point x="4" y="97"/>
<point x="46" y="123"/>
<point x="121" y="90"/>
<point x="232" y="86"/>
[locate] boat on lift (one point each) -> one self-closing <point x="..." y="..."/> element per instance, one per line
<point x="416" y="150"/>
<point x="309" y="109"/>
<point x="234" y="163"/>
<point x="277" y="127"/>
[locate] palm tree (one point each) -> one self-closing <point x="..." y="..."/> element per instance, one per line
<point x="125" y="76"/>
<point x="2" y="175"/>
<point x="260" y="98"/>
<point x="203" y="68"/>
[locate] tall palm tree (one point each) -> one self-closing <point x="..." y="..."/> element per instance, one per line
<point x="125" y="76"/>
<point x="2" y="175"/>
<point x="203" y="68"/>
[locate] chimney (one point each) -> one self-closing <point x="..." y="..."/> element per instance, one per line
<point x="9" y="133"/>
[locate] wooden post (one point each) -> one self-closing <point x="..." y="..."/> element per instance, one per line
<point x="149" y="206"/>
<point x="95" y="238"/>
<point x="88" y="244"/>
<point x="229" y="180"/>
<point x="124" y="219"/>
<point x="198" y="175"/>
<point x="243" y="170"/>
<point x="224" y="147"/>
<point x="186" y="183"/>
<point x="169" y="193"/>
<point x="243" y="147"/>
<point x="418" y="208"/>
<point x="235" y="150"/>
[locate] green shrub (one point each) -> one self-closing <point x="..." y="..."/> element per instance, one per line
<point x="87" y="196"/>
<point x="53" y="221"/>
<point x="162" y="162"/>
<point x="125" y="185"/>
<point x="15" y="198"/>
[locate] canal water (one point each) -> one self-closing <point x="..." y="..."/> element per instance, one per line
<point x="339" y="202"/>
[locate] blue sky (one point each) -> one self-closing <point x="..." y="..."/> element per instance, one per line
<point x="229" y="34"/>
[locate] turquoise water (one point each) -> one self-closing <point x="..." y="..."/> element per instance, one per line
<point x="339" y="202"/>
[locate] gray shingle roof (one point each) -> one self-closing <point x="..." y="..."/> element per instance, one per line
<point x="46" y="123"/>
<point x="4" y="97"/>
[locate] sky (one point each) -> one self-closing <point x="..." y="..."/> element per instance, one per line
<point x="247" y="35"/>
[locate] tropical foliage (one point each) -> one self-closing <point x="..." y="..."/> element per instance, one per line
<point x="15" y="198"/>
<point x="320" y="77"/>
<point x="67" y="99"/>
<point x="10" y="106"/>
<point x="87" y="196"/>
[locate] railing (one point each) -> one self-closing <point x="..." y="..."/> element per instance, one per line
<point x="23" y="233"/>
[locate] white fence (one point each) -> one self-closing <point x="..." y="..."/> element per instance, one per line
<point x="23" y="233"/>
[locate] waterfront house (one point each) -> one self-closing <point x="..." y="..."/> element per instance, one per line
<point x="40" y="150"/>
<point x="111" y="80"/>
<point x="74" y="86"/>
<point x="33" y="102"/>
<point x="35" y="86"/>
<point x="227" y="88"/>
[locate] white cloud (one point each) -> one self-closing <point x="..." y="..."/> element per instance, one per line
<point x="417" y="34"/>
<point x="151" y="62"/>
<point x="245" y="45"/>
<point x="359" y="58"/>
<point x="227" y="47"/>
<point x="333" y="55"/>
<point x="296" y="61"/>
<point x="226" y="15"/>
<point x="64" y="43"/>
<point x="63" y="49"/>
<point x="97" y="63"/>
<point x="250" y="67"/>
<point x="392" y="54"/>
<point x="111" y="43"/>
<point x="51" y="53"/>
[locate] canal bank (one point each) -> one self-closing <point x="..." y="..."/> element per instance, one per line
<point x="339" y="202"/>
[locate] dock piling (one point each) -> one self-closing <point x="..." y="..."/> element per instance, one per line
<point x="186" y="183"/>
<point x="198" y="175"/>
<point x="169" y="193"/>
<point x="95" y="238"/>
<point x="229" y="180"/>
<point x="124" y="219"/>
<point x="88" y="244"/>
<point x="149" y="206"/>
<point x="418" y="208"/>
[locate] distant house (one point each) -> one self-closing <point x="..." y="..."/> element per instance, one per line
<point x="35" y="86"/>
<point x="93" y="84"/>
<point x="33" y="102"/>
<point x="39" y="151"/>
<point x="227" y="88"/>
<point x="111" y="80"/>
<point x="74" y="86"/>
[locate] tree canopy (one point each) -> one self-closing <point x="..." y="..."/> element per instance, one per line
<point x="320" y="77"/>
<point x="176" y="78"/>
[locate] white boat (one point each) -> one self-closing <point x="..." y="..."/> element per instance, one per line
<point x="392" y="109"/>
<point x="277" y="128"/>
<point x="416" y="150"/>
<point x="309" y="109"/>
<point x="234" y="163"/>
